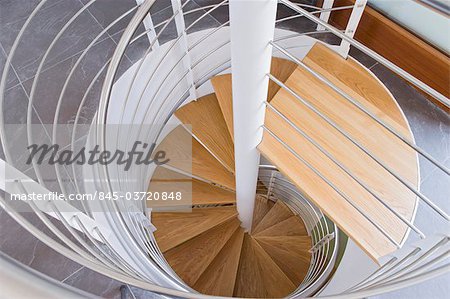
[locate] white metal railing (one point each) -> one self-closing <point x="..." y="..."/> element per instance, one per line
<point x="324" y="234"/>
<point x="130" y="254"/>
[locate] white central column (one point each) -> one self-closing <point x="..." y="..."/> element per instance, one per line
<point x="252" y="28"/>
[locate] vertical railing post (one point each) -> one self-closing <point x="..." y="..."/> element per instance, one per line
<point x="352" y="24"/>
<point x="148" y="25"/>
<point x="325" y="15"/>
<point x="252" y="28"/>
<point x="183" y="46"/>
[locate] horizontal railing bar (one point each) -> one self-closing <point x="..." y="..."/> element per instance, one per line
<point x="362" y="108"/>
<point x="405" y="75"/>
<point x="315" y="12"/>
<point x="371" y="279"/>
<point x="308" y="104"/>
<point x="342" y="194"/>
<point x="346" y="170"/>
<point x="410" y="266"/>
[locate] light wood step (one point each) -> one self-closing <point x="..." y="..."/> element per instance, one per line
<point x="208" y="125"/>
<point x="190" y="259"/>
<point x="220" y="276"/>
<point x="371" y="135"/>
<point x="194" y="192"/>
<point x="359" y="83"/>
<point x="277" y="213"/>
<point x="175" y="228"/>
<point x="187" y="154"/>
<point x="258" y="275"/>
<point x="290" y="253"/>
<point x="262" y="207"/>
<point x="293" y="226"/>
<point x="280" y="68"/>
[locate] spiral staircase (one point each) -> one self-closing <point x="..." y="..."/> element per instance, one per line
<point x="339" y="164"/>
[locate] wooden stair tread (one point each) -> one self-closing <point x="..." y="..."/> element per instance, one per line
<point x="277" y="213"/>
<point x="290" y="253"/>
<point x="368" y="133"/>
<point x="258" y="275"/>
<point x="208" y="125"/>
<point x="223" y="89"/>
<point x="220" y="276"/>
<point x="194" y="192"/>
<point x="174" y="228"/>
<point x="293" y="226"/>
<point x="280" y="68"/>
<point x="178" y="145"/>
<point x="262" y="207"/>
<point x="356" y="81"/>
<point x="190" y="259"/>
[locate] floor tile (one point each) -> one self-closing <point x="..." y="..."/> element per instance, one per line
<point x="12" y="11"/>
<point x="95" y="283"/>
<point x="42" y="31"/>
<point x="51" y="82"/>
<point x="12" y="79"/>
<point x="30" y="251"/>
<point x="364" y="59"/>
<point x="107" y="11"/>
<point x="429" y="124"/>
<point x="221" y="14"/>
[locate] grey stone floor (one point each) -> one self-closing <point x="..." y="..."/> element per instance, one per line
<point x="430" y="126"/>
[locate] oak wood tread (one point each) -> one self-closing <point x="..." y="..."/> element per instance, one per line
<point x="371" y="135"/>
<point x="262" y="207"/>
<point x="280" y="68"/>
<point x="194" y="192"/>
<point x="220" y="276"/>
<point x="190" y="259"/>
<point x="276" y="214"/>
<point x="175" y="228"/>
<point x="290" y="253"/>
<point x="258" y="275"/>
<point x="187" y="154"/>
<point x="292" y="226"/>
<point x="208" y="125"/>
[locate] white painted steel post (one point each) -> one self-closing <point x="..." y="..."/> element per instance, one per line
<point x="252" y="25"/>
<point x="148" y="25"/>
<point x="325" y="15"/>
<point x="352" y="25"/>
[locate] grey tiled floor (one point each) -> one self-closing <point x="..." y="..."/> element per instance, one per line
<point x="430" y="126"/>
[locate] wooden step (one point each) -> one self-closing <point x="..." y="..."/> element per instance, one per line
<point x="290" y="253"/>
<point x="190" y="259"/>
<point x="194" y="192"/>
<point x="371" y="135"/>
<point x="352" y="78"/>
<point x="209" y="127"/>
<point x="175" y="228"/>
<point x="258" y="275"/>
<point x="293" y="226"/>
<point x="223" y="90"/>
<point x="277" y="213"/>
<point x="280" y="68"/>
<point x="188" y="155"/>
<point x="262" y="207"/>
<point x="220" y="276"/>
